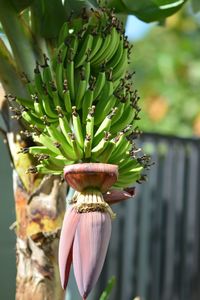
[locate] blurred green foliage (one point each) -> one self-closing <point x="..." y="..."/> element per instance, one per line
<point x="167" y="65"/>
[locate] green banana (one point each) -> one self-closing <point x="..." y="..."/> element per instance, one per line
<point x="86" y="68"/>
<point x="77" y="127"/>
<point x="38" y="106"/>
<point x="44" y="170"/>
<point x="97" y="42"/>
<point x="122" y="145"/>
<point x="124" y="182"/>
<point x="123" y="161"/>
<point x="32" y="120"/>
<point x="121" y="67"/>
<point x="40" y="150"/>
<point x="55" y="134"/>
<point x="56" y="162"/>
<point x="130" y="168"/>
<point x="131" y="164"/>
<point x="119" y="112"/>
<point x="130" y="174"/>
<point x="87" y="146"/>
<point x="67" y="98"/>
<point x="101" y="146"/>
<point x="45" y="140"/>
<point x="89" y="132"/>
<point x="48" y="108"/>
<point x="105" y="126"/>
<point x="73" y="47"/>
<point x="86" y="104"/>
<point x="77" y="24"/>
<point x="38" y="81"/>
<point x="125" y="120"/>
<point x="76" y="148"/>
<point x="64" y="32"/>
<point x="128" y="130"/>
<point x="56" y="99"/>
<point x="90" y="122"/>
<point x="25" y="102"/>
<point x="69" y="75"/>
<point x="30" y="88"/>
<point x="117" y="56"/>
<point x="105" y="155"/>
<point x="65" y="127"/>
<point x="47" y="77"/>
<point x="101" y="79"/>
<point x="104" y="96"/>
<point x="59" y="77"/>
<point x="115" y="38"/>
<point x="100" y="57"/>
<point x="65" y="148"/>
<point x="115" y="157"/>
<point x="81" y="89"/>
<point x="59" y="55"/>
<point x="82" y="54"/>
<point x="107" y="90"/>
<point x="103" y="108"/>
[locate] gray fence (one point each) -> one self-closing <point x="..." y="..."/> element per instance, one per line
<point x="155" y="248"/>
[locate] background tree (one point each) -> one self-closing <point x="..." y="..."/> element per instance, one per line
<point x="169" y="83"/>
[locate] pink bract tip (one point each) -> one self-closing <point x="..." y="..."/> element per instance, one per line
<point x="90" y="248"/>
<point x="69" y="226"/>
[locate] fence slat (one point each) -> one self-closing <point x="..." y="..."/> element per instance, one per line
<point x="156" y="232"/>
<point x="190" y="225"/>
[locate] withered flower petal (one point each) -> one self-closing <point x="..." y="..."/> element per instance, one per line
<point x="115" y="196"/>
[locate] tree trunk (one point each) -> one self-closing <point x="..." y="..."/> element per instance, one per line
<point x="38" y="220"/>
<point x="40" y="207"/>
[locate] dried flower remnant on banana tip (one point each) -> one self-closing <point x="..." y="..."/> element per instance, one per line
<point x="84" y="109"/>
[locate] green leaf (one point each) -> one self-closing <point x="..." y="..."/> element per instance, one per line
<point x="106" y="293"/>
<point x="155" y="10"/>
<point x="161" y="4"/>
<point x="153" y="13"/>
<point x="74" y="5"/>
<point x="93" y="3"/>
<point x="195" y="5"/>
<point x="9" y="77"/>
<point x="19" y="38"/>
<point x="118" y="5"/>
<point x="137" y="5"/>
<point x="20" y="5"/>
<point x="147" y="10"/>
<point x="77" y="5"/>
<point x="48" y="17"/>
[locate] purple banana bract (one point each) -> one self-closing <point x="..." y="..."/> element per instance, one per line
<point x="84" y="241"/>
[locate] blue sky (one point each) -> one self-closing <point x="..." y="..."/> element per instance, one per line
<point x="136" y="29"/>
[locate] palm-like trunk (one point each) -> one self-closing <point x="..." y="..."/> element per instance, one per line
<point x="38" y="220"/>
<point x="40" y="206"/>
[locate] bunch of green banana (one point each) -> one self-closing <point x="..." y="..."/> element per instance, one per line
<point x="81" y="105"/>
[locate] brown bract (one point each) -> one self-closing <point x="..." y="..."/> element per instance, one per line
<point x="91" y="175"/>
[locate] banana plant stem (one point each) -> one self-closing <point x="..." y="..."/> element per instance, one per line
<point x="8" y="73"/>
<point x="20" y="43"/>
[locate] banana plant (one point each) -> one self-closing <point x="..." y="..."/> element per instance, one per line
<point x="63" y="67"/>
